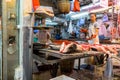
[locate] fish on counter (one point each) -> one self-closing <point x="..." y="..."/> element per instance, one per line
<point x="117" y="46"/>
<point x="99" y="48"/>
<point x="62" y="47"/>
<point x="83" y="47"/>
<point x="110" y="48"/>
<point x="71" y="46"/>
<point x="68" y="48"/>
<point x="105" y="48"/>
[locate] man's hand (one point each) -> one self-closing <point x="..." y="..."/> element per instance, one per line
<point x="83" y="30"/>
<point x="88" y="38"/>
<point x="94" y="36"/>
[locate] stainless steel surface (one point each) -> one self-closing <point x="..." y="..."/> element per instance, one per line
<point x="74" y="54"/>
<point x="61" y="56"/>
<point x="27" y="54"/>
<point x="4" y="14"/>
<point x="0" y="54"/>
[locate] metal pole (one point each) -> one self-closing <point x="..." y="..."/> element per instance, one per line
<point x="21" y="31"/>
<point x="25" y="51"/>
<point x="4" y="36"/>
<point x="112" y="9"/>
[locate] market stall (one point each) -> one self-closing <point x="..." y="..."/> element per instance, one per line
<point x="68" y="39"/>
<point x="52" y="55"/>
<point x="63" y="57"/>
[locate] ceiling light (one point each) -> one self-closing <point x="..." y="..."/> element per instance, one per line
<point x="8" y="0"/>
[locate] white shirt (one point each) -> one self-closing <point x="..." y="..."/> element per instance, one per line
<point x="92" y="31"/>
<point x="108" y="32"/>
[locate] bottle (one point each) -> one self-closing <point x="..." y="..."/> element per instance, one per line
<point x="35" y="38"/>
<point x="108" y="69"/>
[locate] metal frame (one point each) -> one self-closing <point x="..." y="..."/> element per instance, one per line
<point x="25" y="57"/>
<point x="27" y="54"/>
<point x="4" y="35"/>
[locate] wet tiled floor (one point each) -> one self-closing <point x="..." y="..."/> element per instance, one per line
<point x="82" y="74"/>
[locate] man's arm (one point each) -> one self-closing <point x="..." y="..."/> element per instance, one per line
<point x="96" y="30"/>
<point x="94" y="33"/>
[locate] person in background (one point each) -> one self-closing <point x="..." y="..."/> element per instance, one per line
<point x="43" y="22"/>
<point x="119" y="30"/>
<point x="102" y="30"/>
<point x="48" y="38"/>
<point x="108" y="29"/>
<point x="93" y="30"/>
<point x="113" y="32"/>
<point x="93" y="33"/>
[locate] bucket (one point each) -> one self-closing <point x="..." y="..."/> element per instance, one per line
<point x="66" y="66"/>
<point x="64" y="6"/>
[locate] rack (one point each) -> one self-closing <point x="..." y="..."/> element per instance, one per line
<point x="31" y="28"/>
<point x="41" y="28"/>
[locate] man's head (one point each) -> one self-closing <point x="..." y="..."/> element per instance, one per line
<point x="92" y="17"/>
<point x="106" y="24"/>
<point x="43" y="21"/>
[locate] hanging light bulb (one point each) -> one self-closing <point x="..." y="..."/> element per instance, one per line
<point x="8" y="0"/>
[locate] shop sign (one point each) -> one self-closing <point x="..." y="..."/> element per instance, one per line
<point x="104" y="3"/>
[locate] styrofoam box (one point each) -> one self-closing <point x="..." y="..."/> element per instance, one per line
<point x="62" y="77"/>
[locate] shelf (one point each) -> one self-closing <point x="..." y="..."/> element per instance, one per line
<point x="44" y="11"/>
<point x="42" y="28"/>
<point x="45" y="61"/>
<point x="42" y="14"/>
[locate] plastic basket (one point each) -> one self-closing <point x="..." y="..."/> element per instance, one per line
<point x="64" y="6"/>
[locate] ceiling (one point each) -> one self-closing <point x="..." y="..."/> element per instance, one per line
<point x="85" y="2"/>
<point x="53" y="3"/>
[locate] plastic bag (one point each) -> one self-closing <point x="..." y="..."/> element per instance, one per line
<point x="108" y="68"/>
<point x="105" y="18"/>
<point x="65" y="23"/>
<point x="36" y="4"/>
<point x="76" y="6"/>
<point x="70" y="28"/>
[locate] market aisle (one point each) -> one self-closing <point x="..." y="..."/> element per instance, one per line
<point x="80" y="74"/>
